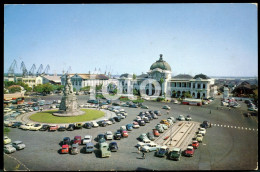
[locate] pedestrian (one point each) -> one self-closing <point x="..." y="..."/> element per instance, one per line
<point x="143" y="155"/>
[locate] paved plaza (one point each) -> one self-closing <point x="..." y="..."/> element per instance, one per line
<point x="230" y="144"/>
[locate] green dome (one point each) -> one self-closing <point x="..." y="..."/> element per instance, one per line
<point x="161" y="64"/>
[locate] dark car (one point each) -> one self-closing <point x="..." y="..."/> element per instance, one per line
<point x="205" y="124"/>
<point x="101" y="138"/>
<point x="149" y="117"/>
<point x="133" y="106"/>
<point x="66" y="141"/>
<point x="62" y="128"/>
<point x="44" y="127"/>
<point x="146" y="120"/>
<point x="113" y="147"/>
<point x="71" y="127"/>
<point x="117" y="119"/>
<point x="102" y="123"/>
<point x="112" y="120"/>
<point x="157" y="112"/>
<point x="16" y="124"/>
<point x="93" y="101"/>
<point x="109" y="101"/>
<point x="117" y="135"/>
<point x="141" y="123"/>
<point x="150" y="136"/>
<point x="129" y="127"/>
<point x="88" y="125"/>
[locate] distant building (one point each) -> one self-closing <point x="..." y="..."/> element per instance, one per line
<point x="55" y="80"/>
<point x="198" y="86"/>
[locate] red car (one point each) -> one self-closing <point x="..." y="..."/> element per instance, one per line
<point x="53" y="128"/>
<point x="124" y="134"/>
<point x="189" y="151"/>
<point x="65" y="149"/>
<point x="195" y="144"/>
<point x="156" y="133"/>
<point x="77" y="140"/>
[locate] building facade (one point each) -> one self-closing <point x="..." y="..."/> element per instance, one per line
<point x="199" y="86"/>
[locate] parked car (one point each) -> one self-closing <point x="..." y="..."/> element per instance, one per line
<point x="77" y="140"/>
<point x="26" y="126"/>
<point x="66" y="141"/>
<point x="71" y="127"/>
<point x="74" y="149"/>
<point x="113" y="147"/>
<point x="162" y="151"/>
<point x="141" y="123"/>
<point x="87" y="139"/>
<point x="117" y="135"/>
<point x="189" y="151"/>
<point x="53" y="127"/>
<point x="150" y="147"/>
<point x="181" y="118"/>
<point x="112" y="120"/>
<point x="144" y="107"/>
<point x="9" y="149"/>
<point x="133" y="106"/>
<point x="109" y="135"/>
<point x="108" y="121"/>
<point x="195" y="144"/>
<point x="101" y="138"/>
<point x="166" y="107"/>
<point x="156" y="133"/>
<point x="104" y="149"/>
<point x="36" y="127"/>
<point x="89" y="147"/>
<point x="164" y="121"/>
<point x="44" y="127"/>
<point x="7" y="140"/>
<point x="199" y="137"/>
<point x="188" y="118"/>
<point x="16" y="124"/>
<point x="172" y="118"/>
<point x="65" y="149"/>
<point x="136" y="125"/>
<point x="18" y="145"/>
<point x="202" y="131"/>
<point x="175" y="154"/>
<point x="206" y="124"/>
<point x="150" y="136"/>
<point x="88" y="125"/>
<point x="124" y="133"/>
<point x="78" y="125"/>
<point x="129" y="127"/>
<point x="159" y="127"/>
<point x="62" y="128"/>
<point x="157" y="112"/>
<point x="154" y="116"/>
<point x="94" y="124"/>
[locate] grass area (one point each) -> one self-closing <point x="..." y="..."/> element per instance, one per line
<point x="6" y="131"/>
<point x="47" y="117"/>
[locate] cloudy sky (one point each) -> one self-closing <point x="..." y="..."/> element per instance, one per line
<point x="214" y="39"/>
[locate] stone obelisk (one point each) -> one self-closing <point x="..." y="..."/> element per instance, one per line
<point x="69" y="104"/>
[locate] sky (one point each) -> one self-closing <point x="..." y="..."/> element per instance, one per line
<point x="213" y="39"/>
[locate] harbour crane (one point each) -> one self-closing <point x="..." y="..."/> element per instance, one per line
<point x="24" y="70"/>
<point x="31" y="72"/>
<point x="11" y="68"/>
<point x="39" y="71"/>
<point x="46" y="69"/>
<point x="69" y="70"/>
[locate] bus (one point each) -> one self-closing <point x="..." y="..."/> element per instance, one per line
<point x="194" y="102"/>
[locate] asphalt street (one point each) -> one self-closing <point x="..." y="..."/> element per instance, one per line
<point x="228" y="145"/>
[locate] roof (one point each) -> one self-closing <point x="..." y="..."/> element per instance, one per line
<point x="90" y="76"/>
<point x="126" y="75"/>
<point x="142" y="76"/>
<point x="182" y="76"/>
<point x="161" y="64"/>
<point x="202" y="76"/>
<point x="53" y="78"/>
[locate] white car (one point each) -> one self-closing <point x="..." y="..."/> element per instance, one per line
<point x="181" y="118"/>
<point x="35" y="127"/>
<point x="9" y="148"/>
<point x="199" y="137"/>
<point x="170" y="121"/>
<point x="109" y="135"/>
<point x="140" y="144"/>
<point x="7" y="110"/>
<point x="202" y="131"/>
<point x="188" y="118"/>
<point x="7" y="140"/>
<point x="122" y="116"/>
<point x="150" y="147"/>
<point x="82" y="105"/>
<point x="18" y="145"/>
<point x="135" y="125"/>
<point x="123" y="127"/>
<point x="87" y="139"/>
<point x="27" y="126"/>
<point x="175" y="101"/>
<point x="124" y="113"/>
<point x="122" y="110"/>
<point x="94" y="124"/>
<point x="165" y="127"/>
<point x="146" y="140"/>
<point x="108" y="121"/>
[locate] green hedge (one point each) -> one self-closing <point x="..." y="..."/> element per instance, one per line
<point x="47" y="117"/>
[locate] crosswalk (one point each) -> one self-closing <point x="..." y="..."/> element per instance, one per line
<point x="235" y="127"/>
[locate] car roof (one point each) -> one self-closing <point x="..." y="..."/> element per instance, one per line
<point x="90" y="144"/>
<point x="77" y="137"/>
<point x="18" y="141"/>
<point x="176" y="149"/>
<point x="87" y="136"/>
<point x="75" y="145"/>
<point x="63" y="146"/>
<point x="164" y="147"/>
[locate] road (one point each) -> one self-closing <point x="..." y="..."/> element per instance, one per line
<point x="231" y="144"/>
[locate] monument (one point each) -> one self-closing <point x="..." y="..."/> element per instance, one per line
<point x="69" y="104"/>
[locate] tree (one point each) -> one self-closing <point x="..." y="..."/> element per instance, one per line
<point x="47" y="88"/>
<point x="99" y="87"/>
<point x="135" y="92"/>
<point x="8" y="83"/>
<point x="14" y="89"/>
<point x="187" y="95"/>
<point x="38" y="88"/>
<point x="134" y="76"/>
<point x="173" y="93"/>
<point x="87" y="88"/>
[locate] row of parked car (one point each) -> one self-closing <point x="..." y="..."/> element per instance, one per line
<point x="10" y="147"/>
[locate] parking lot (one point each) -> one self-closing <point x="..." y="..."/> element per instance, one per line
<point x="223" y="148"/>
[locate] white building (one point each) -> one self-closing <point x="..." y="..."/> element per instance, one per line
<point x="199" y="86"/>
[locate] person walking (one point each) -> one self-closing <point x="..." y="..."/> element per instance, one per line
<point x="143" y="155"/>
